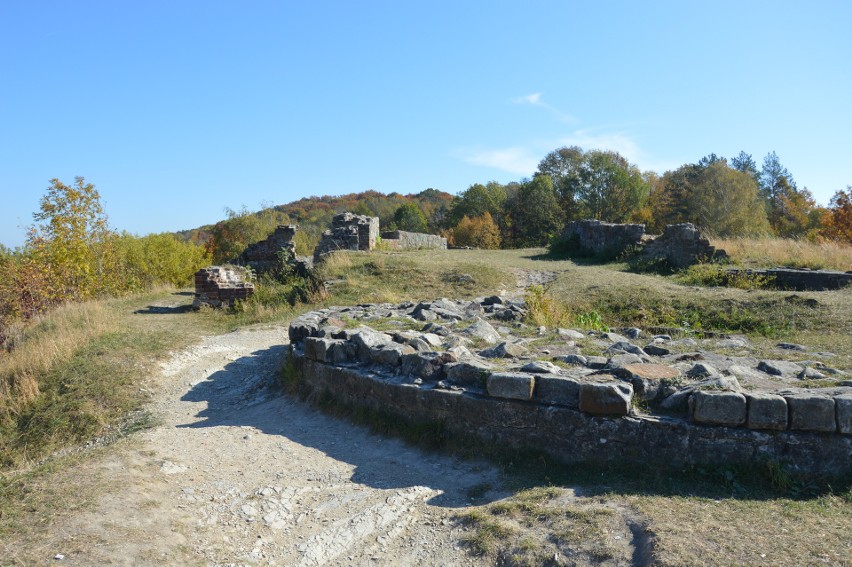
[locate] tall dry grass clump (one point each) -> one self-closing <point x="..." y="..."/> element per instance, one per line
<point x="37" y="346"/>
<point x="787" y="252"/>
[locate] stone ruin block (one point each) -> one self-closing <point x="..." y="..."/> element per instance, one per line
<point x="718" y="408"/>
<point x="605" y="398"/>
<point x="267" y="255"/>
<point x="348" y="232"/>
<point x="598" y="238"/>
<point x="811" y="412"/>
<point x="682" y="245"/>
<point x="404" y="240"/>
<point x="766" y="411"/>
<point x="511" y="385"/>
<point x="217" y="286"/>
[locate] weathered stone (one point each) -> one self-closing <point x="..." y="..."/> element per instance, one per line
<point x="628" y="348"/>
<point x="419" y="345"/>
<point x="647" y="379"/>
<point x="732" y="343"/>
<point x="505" y="350"/>
<point x="633" y="333"/>
<point x="605" y="398"/>
<point x="307" y="325"/>
<point x="403" y="240"/>
<point x="701" y="370"/>
<point x="481" y="329"/>
<point x="540" y="367"/>
<point x="811" y="412"/>
<point x="426" y="365"/>
<point x="348" y="232"/>
<point x="656" y="350"/>
<point x="493" y="300"/>
<point x="779" y="367"/>
<point x="843" y="407"/>
<point x="620" y="360"/>
<point x="216" y="286"/>
<point x="512" y="385"/>
<point x="718" y="408"/>
<point x="576" y="359"/>
<point x="559" y="390"/>
<point x="570" y="334"/>
<point x="597" y="362"/>
<point x="436" y="329"/>
<point x="318" y="348"/>
<point x="366" y="339"/>
<point x="766" y="411"/>
<point x="602" y="238"/>
<point x="432" y="339"/>
<point x="682" y="245"/>
<point x="809" y="373"/>
<point x="468" y="373"/>
<point x="792" y="346"/>
<point x="615" y="338"/>
<point x="390" y="354"/>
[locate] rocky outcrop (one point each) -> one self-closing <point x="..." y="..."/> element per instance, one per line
<point x="217" y="286"/>
<point x="439" y="366"/>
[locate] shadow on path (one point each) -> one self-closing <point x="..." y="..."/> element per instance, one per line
<point x="245" y="393"/>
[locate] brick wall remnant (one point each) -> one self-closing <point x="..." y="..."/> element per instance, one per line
<point x="217" y="286"/>
<point x="598" y="238"/>
<point x="348" y="232"/>
<point x="403" y="240"/>
<point x="682" y="245"/>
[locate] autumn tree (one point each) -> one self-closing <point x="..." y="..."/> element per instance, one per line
<point x="837" y="224"/>
<point x="477" y="200"/>
<point x="478" y="232"/>
<point x="72" y="241"/>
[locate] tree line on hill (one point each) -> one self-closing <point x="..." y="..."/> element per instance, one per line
<point x="723" y="197"/>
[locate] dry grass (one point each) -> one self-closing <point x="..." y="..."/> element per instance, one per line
<point x="787" y="252"/>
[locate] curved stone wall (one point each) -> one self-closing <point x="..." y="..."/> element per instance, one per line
<point x="457" y="369"/>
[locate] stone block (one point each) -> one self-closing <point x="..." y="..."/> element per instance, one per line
<point x="366" y="339"/>
<point x="557" y="390"/>
<point x="766" y="411"/>
<point x="811" y="412"/>
<point x="304" y="326"/>
<point x="843" y="407"/>
<point x="426" y="365"/>
<point x="647" y="378"/>
<point x="511" y="385"/>
<point x="468" y="374"/>
<point x="605" y="398"/>
<point x="718" y="408"/>
<point x="319" y="348"/>
<point x="504" y="350"/>
<point x="390" y="354"/>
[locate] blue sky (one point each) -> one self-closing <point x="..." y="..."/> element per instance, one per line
<point x="176" y="110"/>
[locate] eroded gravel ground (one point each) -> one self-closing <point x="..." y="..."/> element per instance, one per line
<point x="238" y="474"/>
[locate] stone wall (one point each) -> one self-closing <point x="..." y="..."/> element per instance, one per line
<point x="597" y="238"/>
<point x="801" y="280"/>
<point x="268" y="255"/>
<point x="216" y="286"/>
<point x="348" y="232"/>
<point x="403" y="240"/>
<point x="682" y="245"/>
<point x="585" y="412"/>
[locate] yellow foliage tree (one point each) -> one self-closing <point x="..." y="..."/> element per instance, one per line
<point x="478" y="232"/>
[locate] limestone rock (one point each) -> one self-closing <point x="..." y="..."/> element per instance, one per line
<point x="605" y="398"/>
<point x="766" y="411"/>
<point x="811" y="412"/>
<point x="482" y="329"/>
<point x="540" y="367"/>
<point x="779" y="367"/>
<point x="576" y="359"/>
<point x="512" y="385"/>
<point x="505" y="350"/>
<point x="718" y="408"/>
<point x="570" y="334"/>
<point x="647" y="379"/>
<point x="558" y="390"/>
<point x="468" y="373"/>
<point x="843" y="406"/>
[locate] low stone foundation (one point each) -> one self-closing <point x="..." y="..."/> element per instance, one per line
<point x="403" y="240"/>
<point x="682" y="245"/>
<point x="584" y="409"/>
<point x="598" y="238"/>
<point x="216" y="286"/>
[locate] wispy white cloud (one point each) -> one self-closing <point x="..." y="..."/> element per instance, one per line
<point x="519" y="160"/>
<point x="534" y="99"/>
<point x="523" y="160"/>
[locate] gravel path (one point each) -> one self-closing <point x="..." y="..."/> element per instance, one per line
<point x="238" y="474"/>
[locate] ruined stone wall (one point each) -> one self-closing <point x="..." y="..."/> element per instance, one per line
<point x="403" y="240"/>
<point x="348" y="232"/>
<point x="682" y="245"/>
<point x="597" y="238"/>
<point x="268" y="255"/>
<point x="216" y="286"/>
<point x="583" y="412"/>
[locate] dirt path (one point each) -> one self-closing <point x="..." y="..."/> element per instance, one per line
<point x="237" y="474"/>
